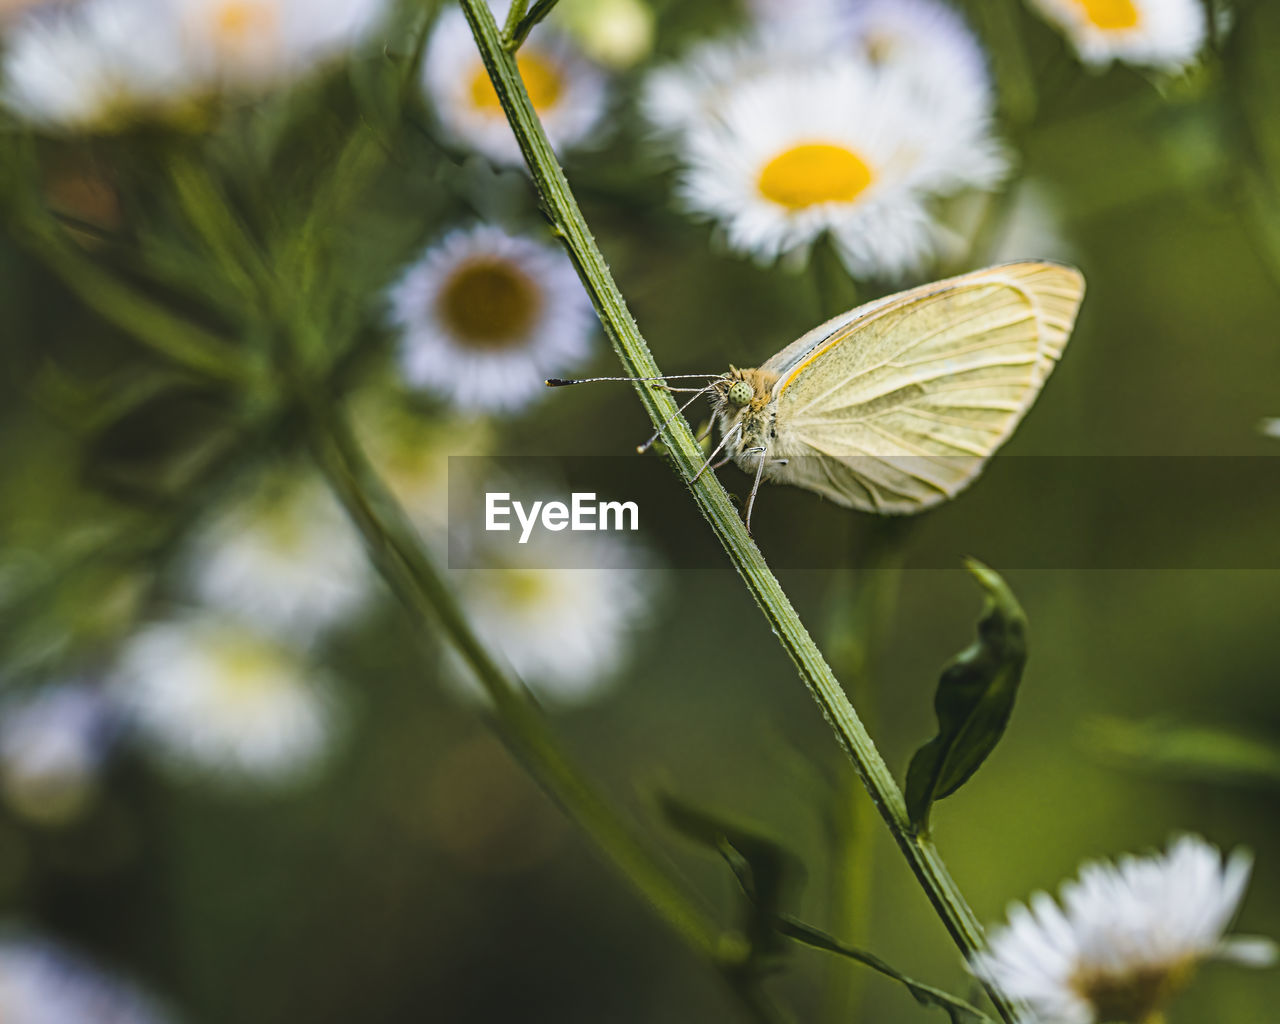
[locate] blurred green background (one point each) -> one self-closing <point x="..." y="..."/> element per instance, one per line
<point x="424" y="877"/>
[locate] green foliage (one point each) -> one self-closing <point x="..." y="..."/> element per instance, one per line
<point x="1179" y="749"/>
<point x="973" y="702"/>
<point x="768" y="874"/>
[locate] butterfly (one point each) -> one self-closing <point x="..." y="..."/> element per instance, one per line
<point x="897" y="405"/>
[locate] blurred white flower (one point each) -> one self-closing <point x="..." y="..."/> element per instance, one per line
<point x="1164" y="34"/>
<point x="53" y="741"/>
<point x="485" y="317"/>
<point x="840" y="148"/>
<point x="1270" y="426"/>
<point x="10" y="10"/>
<point x="568" y="91"/>
<point x="248" y="43"/>
<point x="282" y="554"/>
<point x="678" y="97"/>
<point x="930" y="46"/>
<point x="1125" y="939"/>
<point x="102" y="65"/>
<point x="813" y="18"/>
<point x="213" y="696"/>
<point x="412" y="455"/>
<point x="43" y="983"/>
<point x="97" y="66"/>
<point x="559" y="610"/>
<point x="924" y="45"/>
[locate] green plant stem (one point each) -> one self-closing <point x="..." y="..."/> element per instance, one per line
<point x="396" y="551"/>
<point x="514" y="14"/>
<point x="517" y="30"/>
<point x="712" y="499"/>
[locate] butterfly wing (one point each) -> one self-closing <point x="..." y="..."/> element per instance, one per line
<point x="897" y="405"/>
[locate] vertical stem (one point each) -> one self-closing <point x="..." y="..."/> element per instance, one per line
<point x="398" y="554"/>
<point x="713" y="501"/>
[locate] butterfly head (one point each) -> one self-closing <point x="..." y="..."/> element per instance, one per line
<point x="746" y="391"/>
<point x="742" y="405"/>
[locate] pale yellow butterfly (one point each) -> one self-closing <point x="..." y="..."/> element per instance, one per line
<point x="896" y="405"/>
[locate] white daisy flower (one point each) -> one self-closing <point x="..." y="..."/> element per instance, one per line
<point x="237" y="43"/>
<point x="1165" y="34"/>
<point x="98" y="66"/>
<point x="922" y="42"/>
<point x="932" y="47"/>
<point x="213" y="696"/>
<point x="784" y="15"/>
<point x="43" y="983"/>
<point x="681" y="96"/>
<point x="281" y="553"/>
<point x="839" y="148"/>
<point x="53" y="741"/>
<point x="559" y="610"/>
<point x="567" y="90"/>
<point x="486" y="316"/>
<point x="1125" y="939"/>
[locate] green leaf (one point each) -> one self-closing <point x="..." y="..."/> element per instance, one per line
<point x="958" y="1010"/>
<point x="1197" y="753"/>
<point x="973" y="702"/>
<point x="764" y="868"/>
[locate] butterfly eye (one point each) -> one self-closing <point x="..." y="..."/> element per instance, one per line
<point x="740" y="393"/>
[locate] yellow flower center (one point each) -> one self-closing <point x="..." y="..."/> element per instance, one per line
<point x="489" y="304"/>
<point x="814" y="172"/>
<point x="1110" y="15"/>
<point x="238" y="22"/>
<point x="1132" y="997"/>
<point x="542" y="81"/>
<point x="250" y="669"/>
<point x="524" y="588"/>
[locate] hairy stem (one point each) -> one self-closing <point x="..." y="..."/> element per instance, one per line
<point x="713" y="501"/>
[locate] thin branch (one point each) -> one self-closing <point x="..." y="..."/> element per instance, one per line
<point x="800" y="932"/>
<point x="516" y="32"/>
<point x="711" y="497"/>
<point x="396" y="551"/>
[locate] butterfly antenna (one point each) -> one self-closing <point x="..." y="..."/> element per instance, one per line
<point x="560" y="382"/>
<point x="641" y="449"/>
<point x="711" y="458"/>
<point x="751" y="501"/>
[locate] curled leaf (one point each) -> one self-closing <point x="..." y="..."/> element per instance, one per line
<point x="973" y="701"/>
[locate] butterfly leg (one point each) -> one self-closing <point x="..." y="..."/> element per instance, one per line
<point x="751" y="501"/>
<point x="710" y="458"/>
<point x="641" y="449"/>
